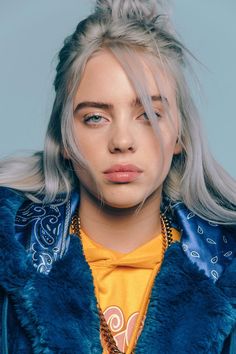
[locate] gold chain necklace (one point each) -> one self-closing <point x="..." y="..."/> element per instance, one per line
<point x="167" y="239"/>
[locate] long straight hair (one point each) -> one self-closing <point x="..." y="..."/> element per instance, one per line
<point x="132" y="31"/>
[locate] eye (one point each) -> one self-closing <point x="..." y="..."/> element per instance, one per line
<point x="95" y="119"/>
<point x="145" y="116"/>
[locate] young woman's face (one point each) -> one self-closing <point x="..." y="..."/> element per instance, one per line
<point x="116" y="138"/>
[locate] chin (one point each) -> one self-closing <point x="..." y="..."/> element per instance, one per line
<point x="132" y="200"/>
<point x="122" y="204"/>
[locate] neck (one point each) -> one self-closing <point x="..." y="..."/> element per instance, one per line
<point x="121" y="230"/>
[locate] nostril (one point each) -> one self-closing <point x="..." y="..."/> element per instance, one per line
<point x="131" y="148"/>
<point x="122" y="148"/>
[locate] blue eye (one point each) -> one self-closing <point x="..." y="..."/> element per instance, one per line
<point x="94" y="119"/>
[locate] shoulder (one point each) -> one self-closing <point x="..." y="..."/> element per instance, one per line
<point x="10" y="201"/>
<point x="210" y="245"/>
<point x="10" y="194"/>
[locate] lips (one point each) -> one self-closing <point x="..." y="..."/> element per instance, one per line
<point x="122" y="173"/>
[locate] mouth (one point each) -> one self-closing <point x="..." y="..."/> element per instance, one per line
<point x="122" y="173"/>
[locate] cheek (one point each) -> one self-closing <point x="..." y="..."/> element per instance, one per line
<point x="91" y="144"/>
<point x="160" y="155"/>
<point x="159" y="146"/>
<point x="88" y="150"/>
<point x="86" y="178"/>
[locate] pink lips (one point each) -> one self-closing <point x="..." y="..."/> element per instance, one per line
<point x="122" y="173"/>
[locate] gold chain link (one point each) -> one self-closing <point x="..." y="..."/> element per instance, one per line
<point x="106" y="333"/>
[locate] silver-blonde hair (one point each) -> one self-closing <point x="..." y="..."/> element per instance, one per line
<point x="130" y="29"/>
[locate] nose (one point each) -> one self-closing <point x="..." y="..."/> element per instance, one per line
<point x="121" y="139"/>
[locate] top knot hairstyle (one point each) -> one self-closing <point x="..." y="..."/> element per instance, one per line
<point x="134" y="9"/>
<point x="149" y="12"/>
<point x="132" y="31"/>
<point x="125" y="22"/>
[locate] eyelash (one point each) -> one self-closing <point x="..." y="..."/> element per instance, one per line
<point x="156" y="113"/>
<point x="88" y="119"/>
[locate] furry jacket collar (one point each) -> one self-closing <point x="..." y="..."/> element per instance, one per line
<point x="192" y="307"/>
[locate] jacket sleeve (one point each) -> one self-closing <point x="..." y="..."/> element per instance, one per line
<point x="227" y="284"/>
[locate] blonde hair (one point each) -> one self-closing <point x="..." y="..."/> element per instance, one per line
<point x="128" y="29"/>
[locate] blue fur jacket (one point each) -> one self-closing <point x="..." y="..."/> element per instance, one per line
<point x="47" y="299"/>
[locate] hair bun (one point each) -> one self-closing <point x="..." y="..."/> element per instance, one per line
<point x="132" y="9"/>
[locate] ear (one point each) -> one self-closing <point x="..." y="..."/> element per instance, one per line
<point x="178" y="147"/>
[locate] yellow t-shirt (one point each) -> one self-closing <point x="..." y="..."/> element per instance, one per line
<point x="123" y="283"/>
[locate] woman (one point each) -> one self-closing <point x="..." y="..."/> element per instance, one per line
<point x="120" y="235"/>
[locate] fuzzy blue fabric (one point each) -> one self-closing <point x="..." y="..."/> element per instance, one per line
<point x="57" y="313"/>
<point x="188" y="313"/>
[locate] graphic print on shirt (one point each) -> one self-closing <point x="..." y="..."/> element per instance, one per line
<point x="121" y="330"/>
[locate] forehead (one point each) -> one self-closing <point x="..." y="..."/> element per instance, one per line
<point x="107" y="78"/>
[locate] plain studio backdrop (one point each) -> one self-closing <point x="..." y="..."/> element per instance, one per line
<point x="32" y="32"/>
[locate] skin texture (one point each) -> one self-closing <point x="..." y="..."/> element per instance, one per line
<point x="121" y="134"/>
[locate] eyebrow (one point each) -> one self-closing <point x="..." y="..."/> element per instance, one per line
<point x="108" y="106"/>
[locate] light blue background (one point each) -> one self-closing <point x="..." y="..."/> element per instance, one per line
<point x="32" y="32"/>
